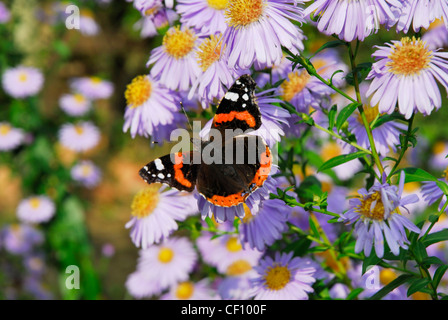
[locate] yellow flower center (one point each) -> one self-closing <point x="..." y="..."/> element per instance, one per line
<point x="330" y="150"/>
<point x="295" y="83"/>
<point x="277" y="277"/>
<point x="151" y="11"/>
<point x="79" y="98"/>
<point x="209" y="51"/>
<point x="184" y="290"/>
<point x="240" y="13"/>
<point x="34" y="202"/>
<point x="218" y="4"/>
<point x="409" y="57"/>
<point x="372" y="207"/>
<point x="387" y="276"/>
<point x="96" y="80"/>
<point x="86" y="170"/>
<point x="4" y="129"/>
<point x="23" y="77"/>
<point x="165" y="255"/>
<point x="411" y="187"/>
<point x="238" y="268"/>
<point x="138" y="91"/>
<point x="145" y="201"/>
<point x="370" y="112"/>
<point x="247" y="214"/>
<point x="233" y="244"/>
<point x="179" y="43"/>
<point x="79" y="129"/>
<point x="439" y="147"/>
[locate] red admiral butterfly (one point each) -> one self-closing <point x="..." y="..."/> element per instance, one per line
<point x="230" y="180"/>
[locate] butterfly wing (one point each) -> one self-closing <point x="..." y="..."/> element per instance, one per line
<point x="175" y="170"/>
<point x="238" y="108"/>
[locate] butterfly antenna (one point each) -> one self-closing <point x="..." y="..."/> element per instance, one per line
<point x="186" y="115"/>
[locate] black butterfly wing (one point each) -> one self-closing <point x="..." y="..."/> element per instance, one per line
<point x="238" y="108"/>
<point x="175" y="170"/>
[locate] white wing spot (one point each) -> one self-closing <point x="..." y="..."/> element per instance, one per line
<point x="169" y="175"/>
<point x="159" y="164"/>
<point x="146" y="168"/>
<point x="244" y="105"/>
<point x="245" y="97"/>
<point x="161" y="176"/>
<point x="232" y="96"/>
<point x="153" y="175"/>
<point x="238" y="82"/>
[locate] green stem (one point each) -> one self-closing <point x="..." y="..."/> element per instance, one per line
<point x="404" y="147"/>
<point x="365" y="122"/>
<point x="434" y="221"/>
<point x="331" y="133"/>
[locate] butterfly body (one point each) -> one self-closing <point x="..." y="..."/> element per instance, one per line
<point x="230" y="168"/>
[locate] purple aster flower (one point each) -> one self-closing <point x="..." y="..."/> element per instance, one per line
<point x="377" y="218"/>
<point x="386" y="136"/>
<point x="36" y="209"/>
<point x="303" y="90"/>
<point x="168" y="263"/>
<point x="436" y="36"/>
<point x="34" y="264"/>
<point x="189" y="290"/>
<point x="75" y="104"/>
<point x="283" y="278"/>
<point x="206" y="16"/>
<point x="262" y="228"/>
<point x="20" y="238"/>
<point x="216" y="76"/>
<point x="257" y="30"/>
<point x="86" y="173"/>
<point x="155" y="212"/>
<point x="174" y="62"/>
<point x="406" y="73"/>
<point x="5" y="15"/>
<point x="140" y="286"/>
<point x="238" y="287"/>
<point x="150" y="107"/>
<point x="79" y="137"/>
<point x="92" y="88"/>
<point x="351" y="20"/>
<point x="154" y="16"/>
<point x="21" y="82"/>
<point x="420" y="13"/>
<point x="438" y="159"/>
<point x="87" y="24"/>
<point x="431" y="192"/>
<point x="440" y="10"/>
<point x="108" y="250"/>
<point x="227" y="254"/>
<point x="10" y="137"/>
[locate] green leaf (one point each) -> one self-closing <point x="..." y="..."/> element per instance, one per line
<point x="332" y="116"/>
<point x="386" y="118"/>
<point x="371" y="260"/>
<point x="331" y="44"/>
<point x="443" y="186"/>
<point x="338" y="160"/>
<point x="417" y="285"/>
<point x="344" y="114"/>
<point x="362" y="70"/>
<point x="354" y="294"/>
<point x="435" y="237"/>
<point x="432" y="260"/>
<point x="402" y="279"/>
<point x="419" y="250"/>
<point x="416" y="175"/>
<point x="439" y="274"/>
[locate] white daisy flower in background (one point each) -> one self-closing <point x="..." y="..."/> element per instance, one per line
<point x="21" y="82"/>
<point x="79" y="137"/>
<point x="36" y="209"/>
<point x="10" y="137"/>
<point x="75" y="104"/>
<point x="86" y="173"/>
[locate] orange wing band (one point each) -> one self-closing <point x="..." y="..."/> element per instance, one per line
<point x="265" y="168"/>
<point x="243" y="116"/>
<point x="178" y="174"/>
